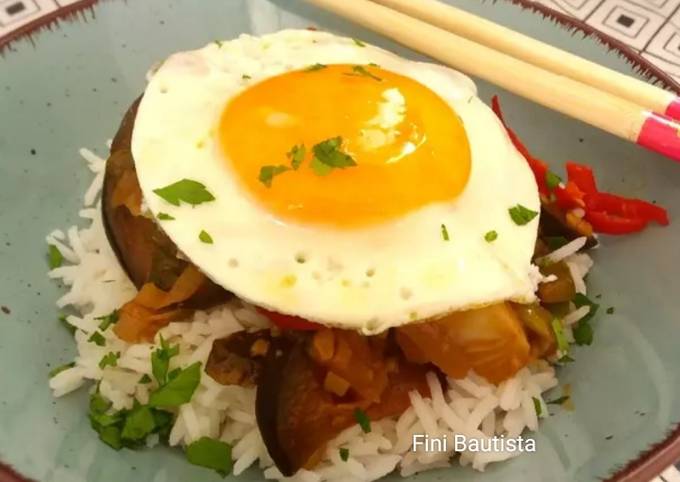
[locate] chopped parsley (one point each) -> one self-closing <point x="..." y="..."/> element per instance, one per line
<point x="537" y="406"/>
<point x="363" y="420"/>
<point x="296" y="155"/>
<point x="315" y="67"/>
<point x="160" y="361"/>
<point x="555" y="242"/>
<point x="328" y="156"/>
<point x="97" y="339"/>
<point x="583" y="331"/>
<point x="145" y="379"/>
<point x="566" y="359"/>
<point x="558" y="401"/>
<point x="205" y="237"/>
<point x="139" y="423"/>
<point x="246" y="77"/>
<point x="491" y="236"/>
<point x="552" y="180"/>
<point x="361" y="71"/>
<point x="186" y="190"/>
<point x="127" y="428"/>
<point x="558" y="330"/>
<point x="521" y="215"/>
<point x="107" y="320"/>
<point x="344" y="454"/>
<point x="63" y="320"/>
<point x="109" y="360"/>
<point x="56" y="371"/>
<point x="165" y="217"/>
<point x="359" y="42"/>
<point x="179" y="390"/>
<point x="445" y="233"/>
<point x="268" y="173"/>
<point x="610" y="310"/>
<point x="218" y="43"/>
<point x="55" y="258"/>
<point x="211" y="454"/>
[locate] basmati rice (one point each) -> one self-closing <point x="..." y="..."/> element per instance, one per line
<point x="470" y="406"/>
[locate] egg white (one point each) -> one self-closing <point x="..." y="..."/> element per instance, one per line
<point x="367" y="279"/>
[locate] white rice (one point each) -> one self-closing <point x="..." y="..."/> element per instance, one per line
<point x="472" y="407"/>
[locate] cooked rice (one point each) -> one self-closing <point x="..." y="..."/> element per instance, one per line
<point x="471" y="406"/>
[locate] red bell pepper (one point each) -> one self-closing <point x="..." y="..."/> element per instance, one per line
<point x="605" y="223"/>
<point x="289" y="322"/>
<point x="607" y="213"/>
<point x="582" y="176"/>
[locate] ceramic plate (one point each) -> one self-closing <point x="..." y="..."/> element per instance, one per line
<point x="69" y="87"/>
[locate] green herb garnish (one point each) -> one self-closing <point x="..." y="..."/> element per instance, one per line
<point x="552" y="180"/>
<point x="107" y="320"/>
<point x="55" y="258"/>
<point x="179" y="390"/>
<point x="491" y="236"/>
<point x="344" y="454"/>
<point x="218" y="43"/>
<point x="558" y="401"/>
<point x="144" y="380"/>
<point x="566" y="359"/>
<point x="97" y="339"/>
<point x="315" y="67"/>
<point x="186" y="190"/>
<point x="56" y="371"/>
<point x="246" y="77"/>
<point x="62" y="319"/>
<point x="583" y="331"/>
<point x="205" y="237"/>
<point x="360" y="70"/>
<point x="165" y="217"/>
<point x="610" y="310"/>
<point x="363" y="420"/>
<point x="555" y="242"/>
<point x="160" y="361"/>
<point x="359" y="42"/>
<point x="211" y="454"/>
<point x="445" y="233"/>
<point x="537" y="406"/>
<point x="268" y="173"/>
<point x="521" y="215"/>
<point x="138" y="424"/>
<point x="109" y="360"/>
<point x="328" y="156"/>
<point x="296" y="155"/>
<point x="558" y="330"/>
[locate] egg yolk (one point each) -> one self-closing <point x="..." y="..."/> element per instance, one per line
<point x="376" y="145"/>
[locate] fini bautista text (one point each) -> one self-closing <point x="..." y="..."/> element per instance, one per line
<point x="461" y="443"/>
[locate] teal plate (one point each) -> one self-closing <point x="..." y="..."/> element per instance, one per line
<point x="69" y="87"/>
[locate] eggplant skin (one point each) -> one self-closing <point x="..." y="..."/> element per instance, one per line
<point x="144" y="251"/>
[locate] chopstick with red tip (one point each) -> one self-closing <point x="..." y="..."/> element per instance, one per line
<point x="581" y="101"/>
<point x="538" y="53"/>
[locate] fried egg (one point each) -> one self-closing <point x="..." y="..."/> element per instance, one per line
<point x="322" y="177"/>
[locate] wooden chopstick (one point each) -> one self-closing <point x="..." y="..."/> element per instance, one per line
<point x="538" y="53"/>
<point x="600" y="109"/>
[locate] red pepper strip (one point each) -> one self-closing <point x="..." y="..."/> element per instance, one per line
<point x="538" y="167"/>
<point x="582" y="176"/>
<point x="612" y="224"/>
<point x="626" y="208"/>
<point x="569" y="196"/>
<point x="289" y="322"/>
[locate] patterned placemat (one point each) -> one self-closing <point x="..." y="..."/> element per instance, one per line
<point x="651" y="27"/>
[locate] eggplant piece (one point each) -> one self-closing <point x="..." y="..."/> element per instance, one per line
<point x="297" y="417"/>
<point x="144" y="251"/>
<point x="237" y="359"/>
<point x="554" y="222"/>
